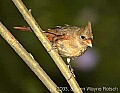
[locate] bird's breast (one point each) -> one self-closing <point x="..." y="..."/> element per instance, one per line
<point x="69" y="49"/>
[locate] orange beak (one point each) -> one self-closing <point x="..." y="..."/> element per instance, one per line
<point x="88" y="42"/>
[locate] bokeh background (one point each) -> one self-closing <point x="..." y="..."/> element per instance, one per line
<point x="98" y="67"/>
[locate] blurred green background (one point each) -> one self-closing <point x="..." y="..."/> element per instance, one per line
<point x="16" y="77"/>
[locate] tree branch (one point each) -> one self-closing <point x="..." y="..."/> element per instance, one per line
<point x="55" y="56"/>
<point x="29" y="60"/>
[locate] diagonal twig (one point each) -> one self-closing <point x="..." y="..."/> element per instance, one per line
<point x="55" y="56"/>
<point x="28" y="59"/>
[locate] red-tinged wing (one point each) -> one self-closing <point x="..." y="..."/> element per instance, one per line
<point x="50" y="36"/>
<point x="56" y="33"/>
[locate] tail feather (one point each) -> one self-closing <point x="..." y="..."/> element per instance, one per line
<point x="23" y="28"/>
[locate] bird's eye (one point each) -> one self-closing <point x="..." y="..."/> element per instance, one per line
<point x="83" y="37"/>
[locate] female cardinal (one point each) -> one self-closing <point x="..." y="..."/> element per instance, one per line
<point x="69" y="41"/>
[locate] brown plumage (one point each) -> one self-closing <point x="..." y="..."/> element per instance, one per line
<point x="69" y="41"/>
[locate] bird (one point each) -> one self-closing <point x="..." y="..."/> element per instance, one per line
<point x="69" y="41"/>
